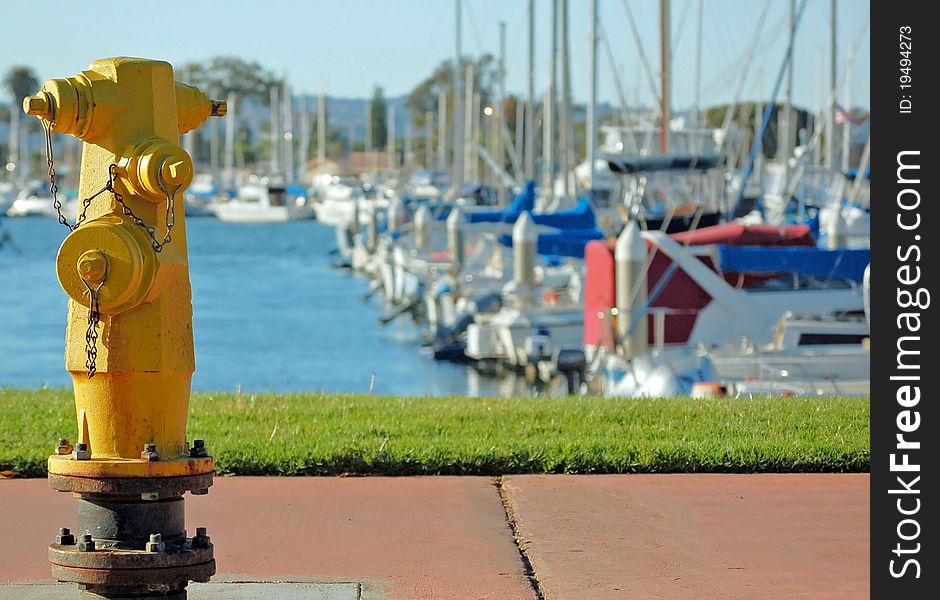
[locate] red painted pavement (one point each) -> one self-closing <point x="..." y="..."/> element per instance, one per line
<point x="695" y="536"/>
<point x="420" y="537"/>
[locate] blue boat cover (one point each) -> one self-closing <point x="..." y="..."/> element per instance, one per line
<point x="853" y="173"/>
<point x="579" y="216"/>
<point x="803" y="260"/>
<point x="525" y="200"/>
<point x="569" y="242"/>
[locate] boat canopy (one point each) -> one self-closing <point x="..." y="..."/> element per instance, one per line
<point x="814" y="262"/>
<point x="625" y="164"/>
<point x="569" y="242"/>
<point x="523" y="201"/>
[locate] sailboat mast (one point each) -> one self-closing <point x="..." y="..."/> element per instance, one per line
<point x="321" y="127"/>
<point x="468" y="152"/>
<point x="833" y="82"/>
<point x="458" y="104"/>
<point x="391" y="154"/>
<point x="501" y="98"/>
<point x="304" y="150"/>
<point x="697" y="107"/>
<point x="566" y="131"/>
<point x="441" y="131"/>
<point x="275" y="130"/>
<point x="230" y="140"/>
<point x="591" y="141"/>
<point x="664" y="76"/>
<point x="530" y="109"/>
<point x="549" y="112"/>
<point x="786" y="132"/>
<point x="288" y="137"/>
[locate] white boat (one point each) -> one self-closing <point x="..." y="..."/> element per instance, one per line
<point x="809" y="355"/>
<point x="690" y="336"/>
<point x="338" y="198"/>
<point x="35" y="201"/>
<point x="263" y="202"/>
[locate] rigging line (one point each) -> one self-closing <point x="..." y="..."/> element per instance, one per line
<point x="473" y="27"/>
<point x="677" y="34"/>
<point x="650" y="78"/>
<point x="729" y="74"/>
<point x="634" y="148"/>
<point x="768" y="111"/>
<point x="830" y="114"/>
<point x="729" y="114"/>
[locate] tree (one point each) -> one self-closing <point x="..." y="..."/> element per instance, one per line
<point x="20" y="81"/>
<point x="377" y="119"/>
<point x="223" y="74"/>
<point x="424" y="97"/>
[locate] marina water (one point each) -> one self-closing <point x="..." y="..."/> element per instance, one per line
<point x="270" y="314"/>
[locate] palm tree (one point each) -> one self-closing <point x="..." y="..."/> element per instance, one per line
<point x="20" y="81"/>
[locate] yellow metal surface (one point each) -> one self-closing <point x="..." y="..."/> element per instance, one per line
<point x="129" y="112"/>
<point x="64" y="465"/>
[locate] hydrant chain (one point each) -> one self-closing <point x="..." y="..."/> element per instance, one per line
<point x="54" y="187"/>
<point x="91" y="335"/>
<point x="151" y="230"/>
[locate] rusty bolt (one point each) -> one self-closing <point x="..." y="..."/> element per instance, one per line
<point x="64" y="447"/>
<point x="150" y="453"/>
<point x="155" y="544"/>
<point x="199" y="449"/>
<point x="87" y="544"/>
<point x="81" y="452"/>
<point x="200" y="540"/>
<point x="65" y="537"/>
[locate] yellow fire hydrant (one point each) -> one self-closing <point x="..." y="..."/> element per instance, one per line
<point x="129" y="341"/>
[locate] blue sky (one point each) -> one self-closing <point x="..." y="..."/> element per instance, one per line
<point x="352" y="45"/>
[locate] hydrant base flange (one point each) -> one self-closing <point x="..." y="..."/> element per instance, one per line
<point x="120" y="468"/>
<point x="126" y="567"/>
<point x="164" y="486"/>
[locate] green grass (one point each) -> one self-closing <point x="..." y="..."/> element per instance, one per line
<point x="328" y="434"/>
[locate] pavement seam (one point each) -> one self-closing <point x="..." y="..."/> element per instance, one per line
<point x="517" y="539"/>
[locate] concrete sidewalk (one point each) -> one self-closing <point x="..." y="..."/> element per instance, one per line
<point x="633" y="536"/>
<point x="694" y="536"/>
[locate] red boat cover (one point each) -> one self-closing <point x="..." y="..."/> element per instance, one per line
<point x="736" y="234"/>
<point x="681" y="292"/>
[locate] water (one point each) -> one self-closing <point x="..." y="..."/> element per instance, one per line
<point x="269" y="315"/>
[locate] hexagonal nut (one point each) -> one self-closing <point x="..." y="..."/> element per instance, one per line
<point x="201" y="539"/>
<point x="65" y="537"/>
<point x="150" y="453"/>
<point x="86" y="544"/>
<point x="63" y="447"/>
<point x="155" y="544"/>
<point x="81" y="452"/>
<point x="199" y="449"/>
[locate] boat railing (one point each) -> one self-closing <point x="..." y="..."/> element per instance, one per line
<point x="610" y="338"/>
